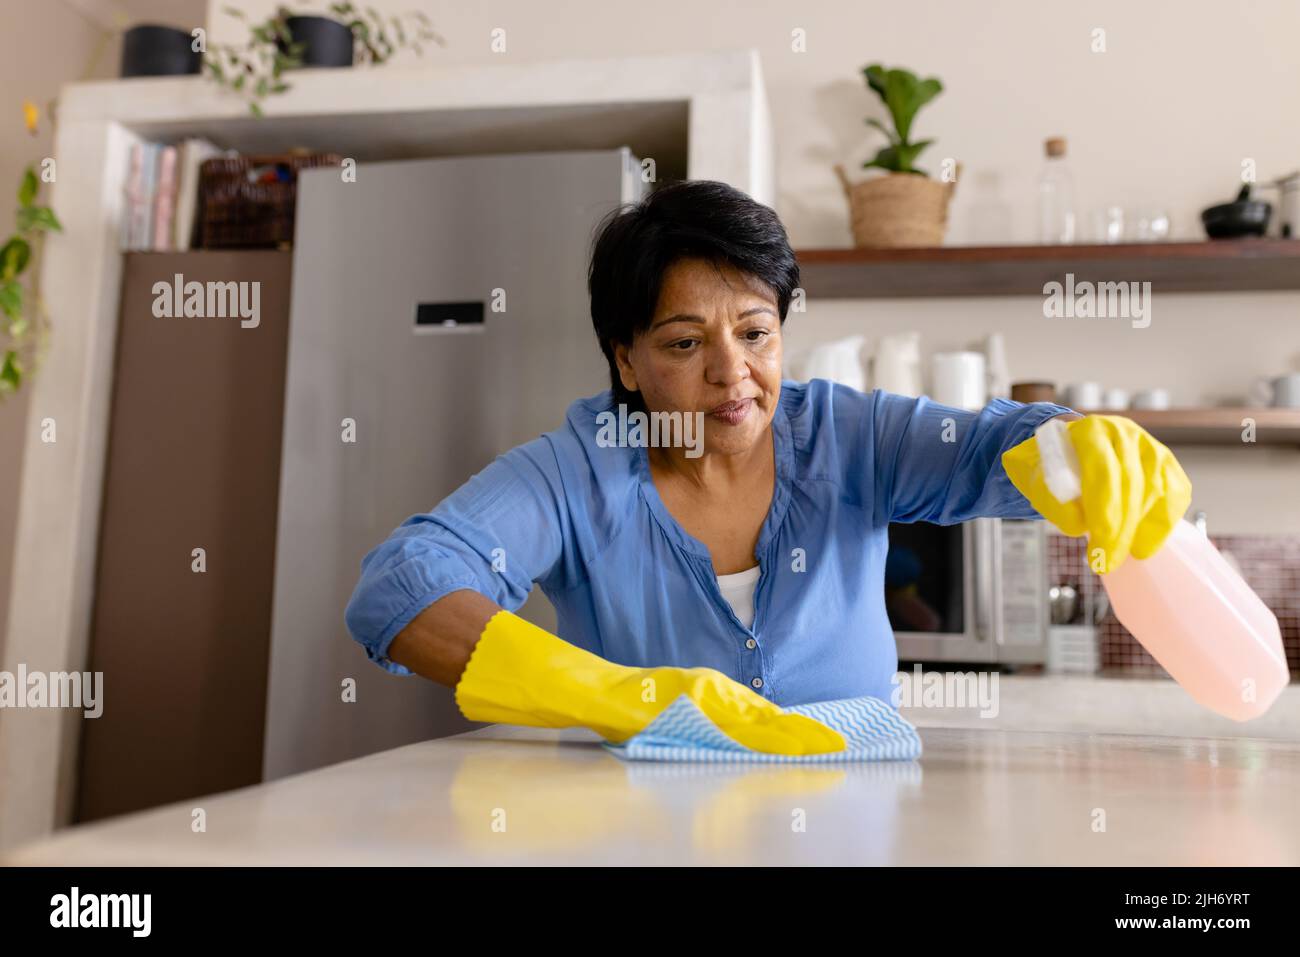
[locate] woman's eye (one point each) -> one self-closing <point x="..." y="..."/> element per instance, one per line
<point x="756" y="335"/>
<point x="682" y="345"/>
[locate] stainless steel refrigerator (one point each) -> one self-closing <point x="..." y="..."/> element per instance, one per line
<point x="439" y="311"/>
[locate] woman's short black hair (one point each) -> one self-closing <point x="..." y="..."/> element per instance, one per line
<point x="636" y="243"/>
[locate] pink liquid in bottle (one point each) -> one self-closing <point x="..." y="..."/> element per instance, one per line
<point x="1187" y="607"/>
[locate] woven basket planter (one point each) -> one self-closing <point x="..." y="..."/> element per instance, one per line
<point x="897" y="209"/>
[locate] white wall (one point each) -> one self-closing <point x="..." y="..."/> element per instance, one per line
<point x="45" y="45"/>
<point x="1185" y="90"/>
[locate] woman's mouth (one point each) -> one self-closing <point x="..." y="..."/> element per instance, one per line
<point x="732" y="413"/>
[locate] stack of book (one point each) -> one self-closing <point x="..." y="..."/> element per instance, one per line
<point x="162" y="195"/>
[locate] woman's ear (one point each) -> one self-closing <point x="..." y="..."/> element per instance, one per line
<point x="626" y="374"/>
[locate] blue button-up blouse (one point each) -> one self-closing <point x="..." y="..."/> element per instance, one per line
<point x="585" y="521"/>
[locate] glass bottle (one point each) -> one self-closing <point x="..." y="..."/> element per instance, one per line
<point x="1056" y="196"/>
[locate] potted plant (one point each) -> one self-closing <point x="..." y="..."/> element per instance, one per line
<point x="150" y="49"/>
<point x="903" y="207"/>
<point x="286" y="41"/>
<point x="322" y="41"/>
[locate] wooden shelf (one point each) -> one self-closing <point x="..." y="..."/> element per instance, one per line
<point x="1242" y="265"/>
<point x="1214" y="426"/>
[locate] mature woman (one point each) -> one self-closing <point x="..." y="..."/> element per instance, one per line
<point x="745" y="571"/>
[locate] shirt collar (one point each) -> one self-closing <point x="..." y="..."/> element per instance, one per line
<point x="784" y="459"/>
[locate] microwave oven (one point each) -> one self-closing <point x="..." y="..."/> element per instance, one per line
<point x="975" y="592"/>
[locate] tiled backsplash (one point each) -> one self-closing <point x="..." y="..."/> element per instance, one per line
<point x="1271" y="565"/>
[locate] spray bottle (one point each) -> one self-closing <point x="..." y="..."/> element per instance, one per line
<point x="1186" y="606"/>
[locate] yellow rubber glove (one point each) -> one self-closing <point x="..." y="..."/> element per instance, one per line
<point x="1134" y="490"/>
<point x="521" y="674"/>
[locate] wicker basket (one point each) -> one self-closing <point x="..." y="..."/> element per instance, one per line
<point x="897" y="209"/>
<point x="239" y="213"/>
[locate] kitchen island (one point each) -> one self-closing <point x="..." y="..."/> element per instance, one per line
<point x="509" y="795"/>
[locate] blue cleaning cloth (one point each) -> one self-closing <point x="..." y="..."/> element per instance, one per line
<point x="872" y="729"/>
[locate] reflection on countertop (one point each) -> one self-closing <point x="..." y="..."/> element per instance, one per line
<point x="506" y="795"/>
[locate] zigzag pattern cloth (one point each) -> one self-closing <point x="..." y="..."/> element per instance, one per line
<point x="873" y="730"/>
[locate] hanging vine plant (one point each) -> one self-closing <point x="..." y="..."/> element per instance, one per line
<point x="25" y="321"/>
<point x="256" y="69"/>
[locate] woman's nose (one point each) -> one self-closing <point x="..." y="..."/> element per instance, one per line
<point x="726" y="362"/>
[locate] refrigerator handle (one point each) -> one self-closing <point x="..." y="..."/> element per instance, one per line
<point x="995" y="573"/>
<point x="981" y="577"/>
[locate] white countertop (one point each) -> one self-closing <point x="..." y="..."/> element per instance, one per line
<point x="1110" y="705"/>
<point x="507" y="795"/>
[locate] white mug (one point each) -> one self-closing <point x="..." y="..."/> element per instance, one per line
<point x="1083" y="395"/>
<point x="1115" y="399"/>
<point x="1282" y="392"/>
<point x="1151" y="399"/>
<point x="897" y="364"/>
<point x="959" y="380"/>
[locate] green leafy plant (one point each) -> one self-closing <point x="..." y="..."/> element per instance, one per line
<point x="256" y="69"/>
<point x="903" y="94"/>
<point x="21" y="306"/>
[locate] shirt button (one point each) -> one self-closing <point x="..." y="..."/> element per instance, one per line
<point x="757" y="682"/>
<point x="751" y="644"/>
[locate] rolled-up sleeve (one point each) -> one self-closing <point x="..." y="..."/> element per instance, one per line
<point x="935" y="463"/>
<point x="497" y="534"/>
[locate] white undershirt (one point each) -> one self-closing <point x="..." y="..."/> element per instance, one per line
<point x="738" y="589"/>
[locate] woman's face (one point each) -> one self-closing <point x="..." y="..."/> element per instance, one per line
<point x="713" y="346"/>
